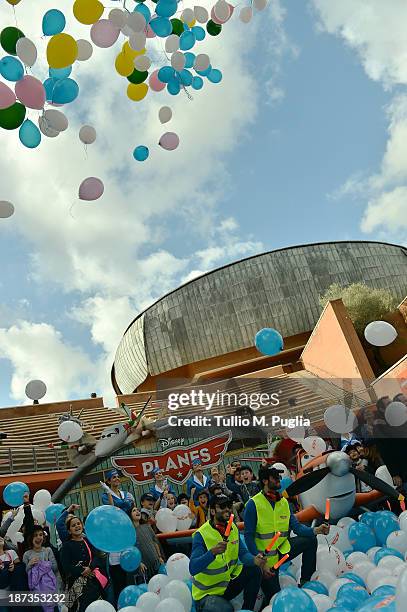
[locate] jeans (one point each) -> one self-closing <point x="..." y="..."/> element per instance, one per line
<point x="308" y="548"/>
<point x="248" y="581"/>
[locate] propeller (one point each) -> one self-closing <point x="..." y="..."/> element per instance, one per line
<point x="307" y="482"/>
<point x="375" y="483"/>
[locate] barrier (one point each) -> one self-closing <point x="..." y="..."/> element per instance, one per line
<point x="186" y="534"/>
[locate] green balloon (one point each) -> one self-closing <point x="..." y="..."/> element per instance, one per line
<point x="177" y="26"/>
<point x="213" y="28"/>
<point x="8" y="39"/>
<point x="12" y="117"/>
<point x="137" y="77"/>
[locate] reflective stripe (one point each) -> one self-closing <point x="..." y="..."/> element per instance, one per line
<point x="269" y="536"/>
<point x="219" y="570"/>
<point x="209" y="587"/>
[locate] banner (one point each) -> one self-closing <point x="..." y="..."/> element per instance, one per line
<point x="176" y="463"/>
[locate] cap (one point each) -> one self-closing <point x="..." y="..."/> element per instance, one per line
<point x="109" y="475"/>
<point x="147" y="496"/>
<point x="196" y="462"/>
<point x="266" y="471"/>
<point x="146" y="511"/>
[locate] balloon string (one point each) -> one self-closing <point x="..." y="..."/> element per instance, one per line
<point x="85" y="146"/>
<point x="70" y="210"/>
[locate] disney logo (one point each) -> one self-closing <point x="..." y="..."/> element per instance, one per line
<point x="168" y="442"/>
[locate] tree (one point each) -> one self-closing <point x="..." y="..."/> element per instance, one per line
<point x="364" y="304"/>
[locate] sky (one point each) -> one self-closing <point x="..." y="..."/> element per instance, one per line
<point x="304" y="140"/>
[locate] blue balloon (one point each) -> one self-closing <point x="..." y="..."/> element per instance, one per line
<point x="384" y="526"/>
<point x="65" y="91"/>
<point x="368" y="518"/>
<point x="144" y="10"/>
<point x="129" y="595"/>
<point x="52" y="513"/>
<point x="186" y="40"/>
<point x="386" y="552"/>
<point x="102" y="522"/>
<point x="269" y="341"/>
<point x="60" y="73"/>
<point x="186" y="77"/>
<point x="215" y="76"/>
<point x="29" y="134"/>
<point x="346" y="553"/>
<point x="143" y="587"/>
<point x="204" y="72"/>
<point x="197" y="83"/>
<point x="165" y="8"/>
<point x="285" y="482"/>
<point x="174" y="87"/>
<point x="165" y="74"/>
<point x="351" y="594"/>
<point x="11" y="68"/>
<point x="189" y="59"/>
<point x="49" y="85"/>
<point x="53" y="22"/>
<point x="292" y="599"/>
<point x="161" y="26"/>
<point x="361" y="537"/>
<point x="14" y="492"/>
<point x="339" y="609"/>
<point x="315" y="585"/>
<point x="384" y="591"/>
<point x="189" y="584"/>
<point x="162" y="570"/>
<point x="354" y="577"/>
<point x="198" y="32"/>
<point x="375" y="604"/>
<point x="141" y="153"/>
<point x="130" y="559"/>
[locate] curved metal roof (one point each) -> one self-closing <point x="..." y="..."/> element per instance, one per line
<point x="222" y="310"/>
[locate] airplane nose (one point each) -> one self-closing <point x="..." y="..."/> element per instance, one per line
<point x="339" y="463"/>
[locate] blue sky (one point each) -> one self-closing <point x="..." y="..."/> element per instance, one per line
<point x="299" y="143"/>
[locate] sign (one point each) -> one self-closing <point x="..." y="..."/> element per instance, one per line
<point x="176" y="463"/>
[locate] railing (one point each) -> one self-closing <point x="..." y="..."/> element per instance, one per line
<point x="32" y="459"/>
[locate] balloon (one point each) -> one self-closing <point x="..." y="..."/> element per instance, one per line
<point x="11" y="68"/>
<point x="62" y="51"/>
<point x="100" y="606"/>
<point x="363" y="569"/>
<point x="354" y="578"/>
<point x="130" y="559"/>
<point x="165" y="114"/>
<point x="166" y="520"/>
<point x="14" y="492"/>
<point x="269" y="341"/>
<point x="60" y="73"/>
<point x="91" y="189"/>
<point x="104" y="33"/>
<point x="166" y="74"/>
<point x="384" y="526"/>
<point x="137" y="76"/>
<point x="141" y="153"/>
<point x="88" y="11"/>
<point x="118" y="17"/>
<point x="35" y="389"/>
<point x="189" y="59"/>
<point x="390" y="562"/>
<point x="142" y="63"/>
<point x="340" y="420"/>
<point x="198" y="32"/>
<point x="8" y="39"/>
<point x="246" y="14"/>
<point x="396" y="414"/>
<point x="201" y="14"/>
<point x="166" y="8"/>
<point x="369" y="519"/>
<point x="137" y="92"/>
<point x="172" y="43"/>
<point x="213" y="28"/>
<point x="398" y="541"/>
<point x="316" y="586"/>
<point x="374" y="576"/>
<point x="29" y="134"/>
<point x="215" y="76"/>
<point x="178" y="61"/>
<point x="161" y="26"/>
<point x="42" y="498"/>
<point x="65" y="91"/>
<point x="387" y="552"/>
<point x="331" y="560"/>
<point x="13" y="2"/>
<point x="221" y="10"/>
<point x="56" y="120"/>
<point x="137" y="42"/>
<point x="124" y="64"/>
<point x="260" y="4"/>
<point x="169" y="603"/>
<point x="26" y="51"/>
<point x="380" y="333"/>
<point x="201" y="62"/>
<point x="187" y="40"/>
<point x="157" y="583"/>
<point x="179" y="591"/>
<point x="361" y="537"/>
<point x="371" y="552"/>
<point x="144" y="10"/>
<point x="154" y="82"/>
<point x="87" y="134"/>
<point x="148" y="602"/>
<point x="12" y="117"/>
<point x="169" y="141"/>
<point x="53" y="512"/>
<point x="137" y="22"/>
<point x="46" y="129"/>
<point x="204" y="72"/>
<point x="129" y="596"/>
<point x="314" y="445"/>
<point x="105" y="520"/>
<point x="401" y="592"/>
<point x="178" y="567"/>
<point x="177" y="26"/>
<point x="30" y="91"/>
<point x="6" y="209"/>
<point x="53" y="22"/>
<point x="197" y="83"/>
<point x="185" y="77"/>
<point x="292" y="599"/>
<point x="7" y="96"/>
<point x="85" y="50"/>
<point x="70" y="431"/>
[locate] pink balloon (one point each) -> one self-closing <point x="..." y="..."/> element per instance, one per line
<point x="7" y="96"/>
<point x="219" y="21"/>
<point x="150" y="33"/>
<point x="169" y="141"/>
<point x="91" y="189"/>
<point x="155" y="83"/>
<point x="104" y="33"/>
<point x="30" y="91"/>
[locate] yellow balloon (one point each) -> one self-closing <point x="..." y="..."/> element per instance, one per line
<point x="137" y="92"/>
<point x="191" y="25"/>
<point x="62" y="51"/>
<point x="13" y="2"/>
<point x="124" y="64"/>
<point x="88" y="11"/>
<point x="129" y="52"/>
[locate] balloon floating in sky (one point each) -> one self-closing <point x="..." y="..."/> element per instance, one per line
<point x="6" y="209"/>
<point x="169" y="141"/>
<point x="269" y="341"/>
<point x="141" y="153"/>
<point x="87" y="134"/>
<point x="91" y="189"/>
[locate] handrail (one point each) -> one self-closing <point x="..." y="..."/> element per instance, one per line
<point x="185" y="534"/>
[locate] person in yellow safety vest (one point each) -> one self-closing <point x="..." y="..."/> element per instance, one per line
<point x="221" y="566"/>
<point x="268" y="513"/>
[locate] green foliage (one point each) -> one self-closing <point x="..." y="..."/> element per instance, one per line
<point x="364" y="304"/>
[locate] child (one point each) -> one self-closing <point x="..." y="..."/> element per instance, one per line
<point x="200" y="511"/>
<point x="41" y="565"/>
<point x="147" y="544"/>
<point x="8" y="559"/>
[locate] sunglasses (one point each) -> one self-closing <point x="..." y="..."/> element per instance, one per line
<point x="225" y="505"/>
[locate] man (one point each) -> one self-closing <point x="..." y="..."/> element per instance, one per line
<point x="265" y="514"/>
<point x="198" y="481"/>
<point x="221" y="567"/>
<point x="160" y="486"/>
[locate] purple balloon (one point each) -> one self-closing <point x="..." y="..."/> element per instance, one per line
<point x="169" y="141"/>
<point x="104" y="33"/>
<point x="91" y="189"/>
<point x="8" y="97"/>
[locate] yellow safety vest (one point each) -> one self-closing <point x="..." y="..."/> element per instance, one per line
<point x="225" y="567"/>
<point x="269" y="521"/>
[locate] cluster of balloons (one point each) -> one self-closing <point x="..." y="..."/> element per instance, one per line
<point x="178" y="519"/>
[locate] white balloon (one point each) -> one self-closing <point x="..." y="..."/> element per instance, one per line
<point x="403" y="520"/>
<point x="380" y="333"/>
<point x="172" y="43"/>
<point x="390" y="562"/>
<point x="371" y="553"/>
<point x="363" y="569"/>
<point x="357" y="557"/>
<point x="201" y="61"/>
<point x="38" y="515"/>
<point x="165" y="115"/>
<point x="314" y="445"/>
<point x="322" y="602"/>
<point x="26" y="51"/>
<point x="137" y="41"/>
<point x="222" y="10"/>
<point x="42" y="499"/>
<point x="338" y="536"/>
<point x="336" y="585"/>
<point x="179" y="591"/>
<point x="246" y="14"/>
<point x="46" y="129"/>
<point x="326" y="578"/>
<point x="331" y="560"/>
<point x="142" y="62"/>
<point x="296" y="433"/>
<point x="396" y="414"/>
<point x="70" y="431"/>
<point x="136" y="21"/>
<point x="181" y="511"/>
<point x="399" y="569"/>
<point x="56" y="119"/>
<point x="287" y="580"/>
<point x="6" y="209"/>
<point x="345" y="521"/>
<point x="147" y="602"/>
<point x="187" y="15"/>
<point x="374" y="576"/>
<point x="118" y="17"/>
<point x="178" y="567"/>
<point x="398" y="541"/>
<point x="260" y="5"/>
<point x="178" y="61"/>
<point x="340" y="420"/>
<point x="170" y="604"/>
<point x="35" y="389"/>
<point x="87" y="134"/>
<point x="383" y="473"/>
<point x="85" y="50"/>
<point x="100" y="605"/>
<point x="201" y="14"/>
<point x="127" y="31"/>
<point x="157" y="584"/>
<point x="166" y="521"/>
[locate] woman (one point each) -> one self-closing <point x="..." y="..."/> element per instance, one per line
<point x="85" y="582"/>
<point x="8" y="561"/>
<point x="41" y="565"/>
<point x="113" y="495"/>
<point x="147" y="543"/>
<point x="198" y="482"/>
<point x="200" y="511"/>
